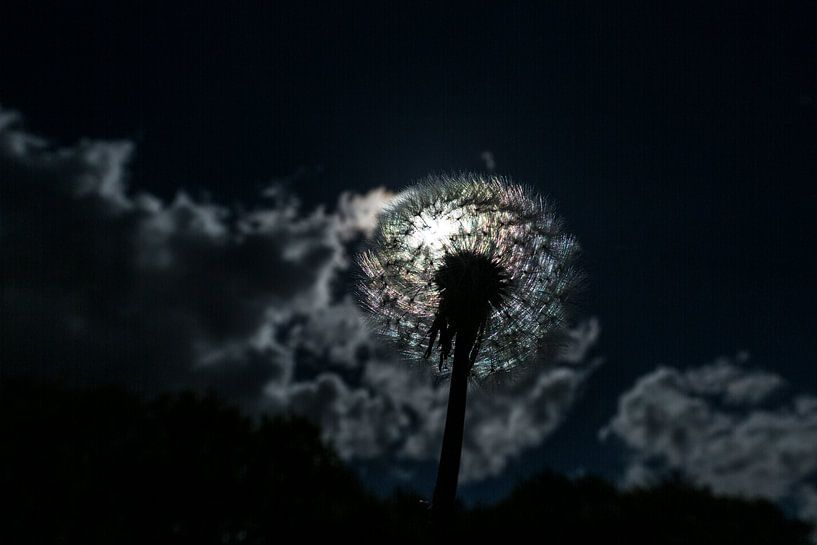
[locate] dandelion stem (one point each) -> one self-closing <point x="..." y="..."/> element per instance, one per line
<point x="445" y="491"/>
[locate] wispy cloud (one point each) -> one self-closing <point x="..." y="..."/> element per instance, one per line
<point x="104" y="283"/>
<point x="721" y="426"/>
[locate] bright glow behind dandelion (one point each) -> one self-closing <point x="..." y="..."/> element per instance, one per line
<point x="448" y="227"/>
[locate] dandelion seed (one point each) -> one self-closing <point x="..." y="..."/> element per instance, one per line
<point x="502" y="234"/>
<point x="472" y="264"/>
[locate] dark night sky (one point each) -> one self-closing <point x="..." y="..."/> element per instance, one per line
<point x="678" y="141"/>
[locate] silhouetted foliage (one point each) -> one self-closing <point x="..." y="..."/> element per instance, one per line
<point x="590" y="510"/>
<point x="103" y="466"/>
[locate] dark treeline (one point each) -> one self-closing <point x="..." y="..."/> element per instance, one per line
<point x="104" y="466"/>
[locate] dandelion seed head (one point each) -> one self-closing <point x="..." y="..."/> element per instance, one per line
<point x="480" y="245"/>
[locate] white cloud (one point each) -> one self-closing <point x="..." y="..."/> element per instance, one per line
<point x="108" y="284"/>
<point x="488" y="158"/>
<point x="714" y="424"/>
<point x="357" y="214"/>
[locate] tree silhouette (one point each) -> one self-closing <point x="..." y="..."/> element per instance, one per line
<point x="105" y="466"/>
<point x="102" y="466"/>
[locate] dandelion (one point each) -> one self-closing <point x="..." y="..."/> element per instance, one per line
<point x="472" y="264"/>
